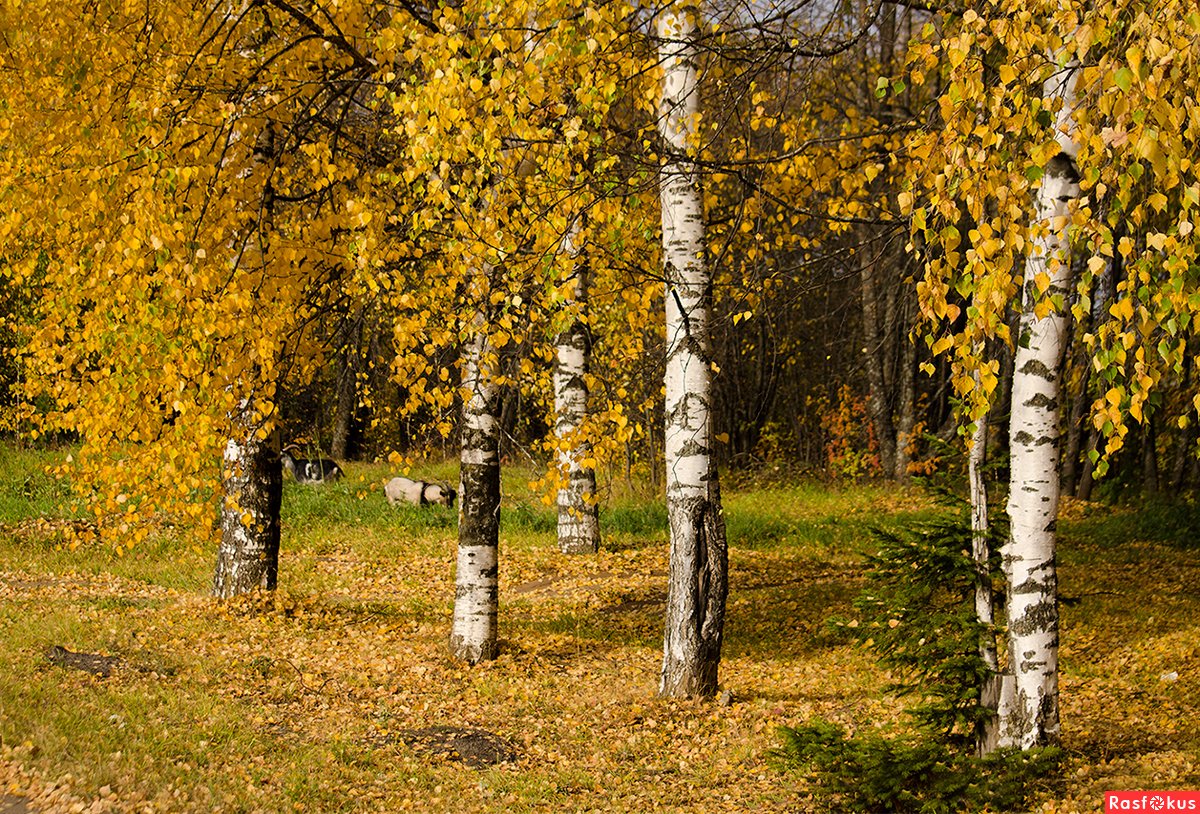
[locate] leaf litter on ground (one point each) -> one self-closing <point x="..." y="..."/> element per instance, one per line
<point x="336" y="693"/>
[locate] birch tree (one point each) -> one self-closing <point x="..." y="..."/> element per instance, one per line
<point x="578" y="512"/>
<point x="251" y="470"/>
<point x="697" y="575"/>
<point x="1029" y="557"/>
<point x="1102" y="150"/>
<point x="981" y="551"/>
<point x="252" y="487"/>
<point x="473" y="635"/>
<point x="215" y="206"/>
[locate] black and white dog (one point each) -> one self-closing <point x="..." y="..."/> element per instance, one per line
<point x="309" y="470"/>
<point x="418" y="492"/>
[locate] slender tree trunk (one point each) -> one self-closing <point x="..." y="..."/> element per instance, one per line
<point x="697" y="584"/>
<point x="1186" y="450"/>
<point x="994" y="683"/>
<point x="1149" y="456"/>
<point x="1102" y="300"/>
<point x="1187" y="441"/>
<point x="248" y="556"/>
<point x="1032" y="719"/>
<point x="1075" y="425"/>
<point x="877" y="308"/>
<point x="877" y="340"/>
<point x="473" y="637"/>
<point x="1087" y="480"/>
<point x="347" y="387"/>
<point x="578" y="513"/>
<point x="906" y="418"/>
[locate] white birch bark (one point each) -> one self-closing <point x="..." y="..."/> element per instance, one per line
<point x="473" y="635"/>
<point x="994" y="683"/>
<point x="252" y="474"/>
<point x="248" y="554"/>
<point x="980" y="552"/>
<point x="698" y="559"/>
<point x="1030" y="717"/>
<point x="578" y="514"/>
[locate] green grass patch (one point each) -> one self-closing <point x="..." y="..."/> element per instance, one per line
<point x="28" y="490"/>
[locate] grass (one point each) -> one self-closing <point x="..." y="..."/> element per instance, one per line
<point x="27" y="491"/>
<point x="297" y="702"/>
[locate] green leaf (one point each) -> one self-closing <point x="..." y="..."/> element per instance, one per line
<point x="1123" y="79"/>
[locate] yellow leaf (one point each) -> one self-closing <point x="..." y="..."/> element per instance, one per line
<point x="1122" y="309"/>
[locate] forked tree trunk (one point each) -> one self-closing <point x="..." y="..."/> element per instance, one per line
<point x="698" y="560"/>
<point x="578" y="513"/>
<point x="473" y="636"/>
<point x="248" y="556"/>
<point x="1030" y="717"/>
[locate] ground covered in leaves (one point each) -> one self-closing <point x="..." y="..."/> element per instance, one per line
<point x="337" y="694"/>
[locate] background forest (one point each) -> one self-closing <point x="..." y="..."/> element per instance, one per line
<point x="591" y="265"/>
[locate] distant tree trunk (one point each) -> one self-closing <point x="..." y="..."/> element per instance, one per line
<point x="1187" y="441"/>
<point x="248" y="556"/>
<point x="1029" y="556"/>
<point x="1149" y="456"/>
<point x="877" y="340"/>
<point x="1083" y="490"/>
<point x="1075" y="425"/>
<point x="578" y="513"/>
<point x="473" y="637"/>
<point x="1102" y="300"/>
<point x="1186" y="451"/>
<point x="697" y="584"/>
<point x="347" y="387"/>
<point x="906" y="418"/>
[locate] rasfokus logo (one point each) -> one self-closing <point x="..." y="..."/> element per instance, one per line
<point x="1152" y="801"/>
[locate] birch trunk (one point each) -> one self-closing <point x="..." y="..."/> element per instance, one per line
<point x="578" y="514"/>
<point x="252" y="474"/>
<point x="698" y="560"/>
<point x="248" y="556"/>
<point x="1029" y="558"/>
<point x="986" y="738"/>
<point x="476" y="601"/>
